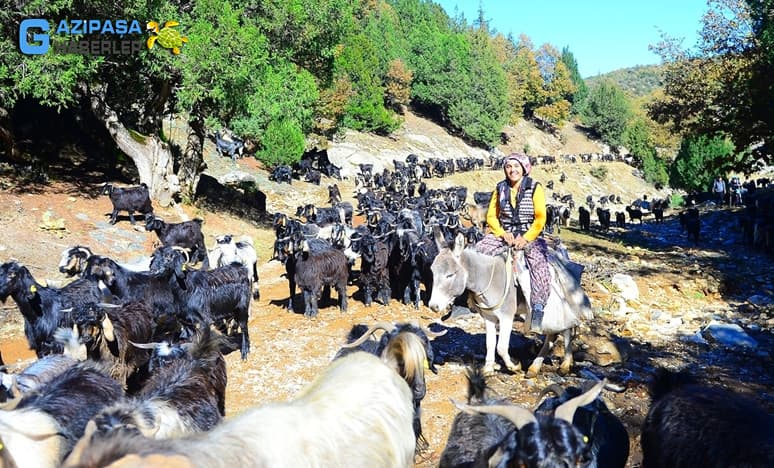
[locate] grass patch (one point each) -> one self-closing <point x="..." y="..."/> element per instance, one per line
<point x="599" y="172"/>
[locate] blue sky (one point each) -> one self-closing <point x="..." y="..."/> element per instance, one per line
<point x="603" y="35"/>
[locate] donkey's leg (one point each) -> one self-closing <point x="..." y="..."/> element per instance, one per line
<point x="503" y="343"/>
<point x="534" y="368"/>
<point x="491" y="341"/>
<point x="567" y="362"/>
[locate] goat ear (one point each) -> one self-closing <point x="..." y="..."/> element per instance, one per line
<point x="75" y="456"/>
<point x="496" y="458"/>
<point x="107" y="329"/>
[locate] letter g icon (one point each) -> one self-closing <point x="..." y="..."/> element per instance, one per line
<point x="32" y="48"/>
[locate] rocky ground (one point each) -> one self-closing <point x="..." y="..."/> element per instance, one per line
<point x="658" y="299"/>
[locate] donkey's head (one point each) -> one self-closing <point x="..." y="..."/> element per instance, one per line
<point x="449" y="274"/>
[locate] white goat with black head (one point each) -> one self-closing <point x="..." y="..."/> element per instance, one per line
<point x="229" y="250"/>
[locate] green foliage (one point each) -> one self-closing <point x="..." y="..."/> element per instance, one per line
<point x="676" y="200"/>
<point x="723" y="85"/>
<point x="581" y="89"/>
<point x="359" y="63"/>
<point x="282" y="143"/>
<point x="694" y="167"/>
<point x="635" y="81"/>
<point x="307" y="32"/>
<point x="637" y="138"/>
<point x="599" y="172"/>
<point x="607" y="111"/>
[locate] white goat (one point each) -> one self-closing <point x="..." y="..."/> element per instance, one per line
<point x="242" y="251"/>
<point x="358" y="413"/>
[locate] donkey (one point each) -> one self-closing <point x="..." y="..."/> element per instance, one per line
<point x="494" y="289"/>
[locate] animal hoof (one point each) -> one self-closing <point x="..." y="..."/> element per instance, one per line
<point x="564" y="369"/>
<point x="488" y="369"/>
<point x="532" y="373"/>
<point x="514" y="367"/>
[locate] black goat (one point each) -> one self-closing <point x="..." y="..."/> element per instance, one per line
<point x="472" y="434"/>
<point x="374" y="273"/>
<point x="128" y="199"/>
<point x="107" y="331"/>
<point x="411" y="342"/>
<point x="634" y="213"/>
<point x="620" y="219"/>
<point x="133" y="286"/>
<point x="186" y="395"/>
<point x="315" y="269"/>
<point x="584" y="218"/>
<point x="691" y="223"/>
<point x="229" y="144"/>
<point x="187" y="234"/>
<point x="313" y="177"/>
<point x="206" y="297"/>
<point x="539" y="440"/>
<point x="603" y="215"/>
<point x="694" y="425"/>
<point x="334" y="194"/>
<point x="282" y="174"/>
<point x="44" y="309"/>
<point x="605" y="433"/>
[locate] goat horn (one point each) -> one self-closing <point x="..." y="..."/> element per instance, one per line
<point x="182" y="251"/>
<point x="427" y="331"/>
<point x="107" y="305"/>
<point x="386" y="326"/>
<point x="519" y="416"/>
<point x="567" y="409"/>
<point x="144" y="345"/>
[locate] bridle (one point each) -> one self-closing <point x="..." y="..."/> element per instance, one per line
<point x="480" y="296"/>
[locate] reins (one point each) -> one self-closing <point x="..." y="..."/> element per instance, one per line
<point x="508" y="276"/>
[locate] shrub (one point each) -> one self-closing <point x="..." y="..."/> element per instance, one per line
<point x="282" y="143"/>
<point x="599" y="172"/>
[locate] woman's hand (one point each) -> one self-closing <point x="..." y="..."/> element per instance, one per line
<point x="520" y="242"/>
<point x="508" y="238"/>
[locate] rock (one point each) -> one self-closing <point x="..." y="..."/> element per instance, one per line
<point x="728" y="334"/>
<point x="760" y="300"/>
<point x="236" y="177"/>
<point x="627" y="287"/>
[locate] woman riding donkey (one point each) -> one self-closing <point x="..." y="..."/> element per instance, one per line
<point x="516" y="217"/>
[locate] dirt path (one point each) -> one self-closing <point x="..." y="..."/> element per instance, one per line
<point x="681" y="289"/>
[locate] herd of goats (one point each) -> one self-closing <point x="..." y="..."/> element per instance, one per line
<point x="130" y="368"/>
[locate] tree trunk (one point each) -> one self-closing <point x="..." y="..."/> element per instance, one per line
<point x="152" y="156"/>
<point x="192" y="163"/>
<point x="7" y="138"/>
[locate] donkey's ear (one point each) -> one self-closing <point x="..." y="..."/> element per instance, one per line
<point x="440" y="241"/>
<point x="459" y="244"/>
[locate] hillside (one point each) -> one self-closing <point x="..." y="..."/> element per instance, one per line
<point x="635" y="81"/>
